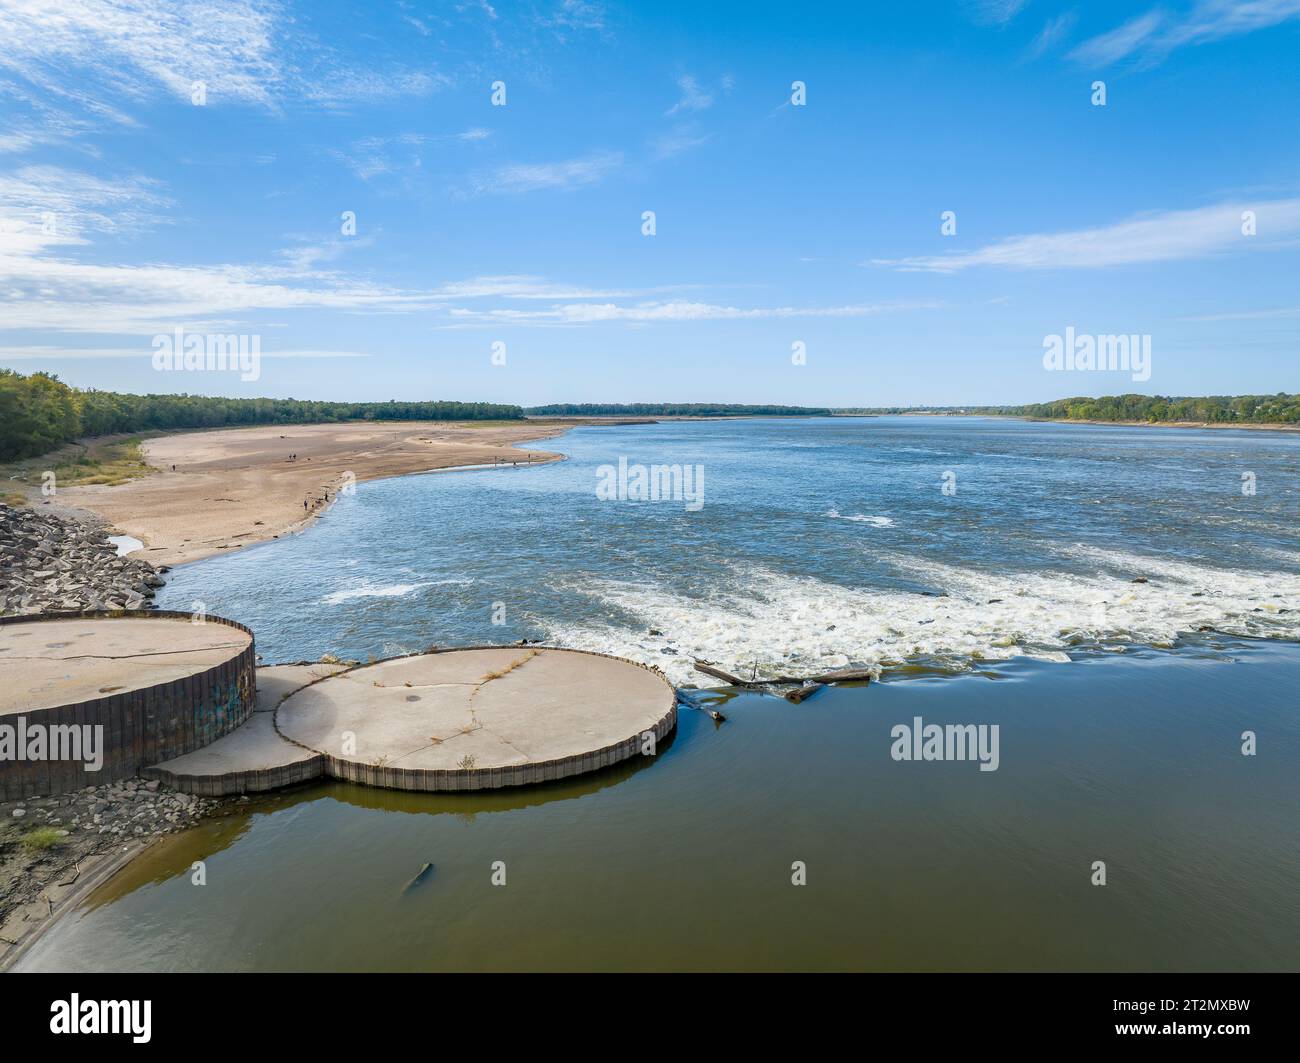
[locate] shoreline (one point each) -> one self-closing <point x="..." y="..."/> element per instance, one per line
<point x="215" y="490"/>
<point x="1270" y="426"/>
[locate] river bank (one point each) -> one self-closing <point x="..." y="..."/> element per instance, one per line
<point x="1264" y="427"/>
<point x="54" y="850"/>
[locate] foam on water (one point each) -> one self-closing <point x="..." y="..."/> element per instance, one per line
<point x="388" y="590"/>
<point x="781" y="623"/>
<point x="861" y="518"/>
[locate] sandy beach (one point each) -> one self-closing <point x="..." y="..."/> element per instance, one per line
<point x="220" y="490"/>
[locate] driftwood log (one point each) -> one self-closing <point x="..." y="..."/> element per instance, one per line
<point x="805" y="685"/>
<point x="687" y="700"/>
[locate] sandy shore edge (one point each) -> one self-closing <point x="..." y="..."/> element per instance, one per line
<point x="213" y="491"/>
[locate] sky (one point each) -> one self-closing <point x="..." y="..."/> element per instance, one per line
<point x="170" y="165"/>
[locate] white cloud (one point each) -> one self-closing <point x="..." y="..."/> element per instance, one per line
<point x="681" y="139"/>
<point x="668" y="311"/>
<point x="372" y="157"/>
<point x="1120" y="42"/>
<point x="530" y="177"/>
<point x="576" y="15"/>
<point x="1248" y="315"/>
<point x="693" y="98"/>
<point x="1054" y="30"/>
<point x="85" y="52"/>
<point x="522" y="286"/>
<point x="44" y="207"/>
<point x="1160" y="237"/>
<point x="139" y="48"/>
<point x="50" y="352"/>
<point x="1157" y="33"/>
<point x="997" y="12"/>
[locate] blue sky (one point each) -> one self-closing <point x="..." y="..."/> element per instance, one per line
<point x="126" y="210"/>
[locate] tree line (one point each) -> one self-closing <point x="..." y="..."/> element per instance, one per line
<point x="1281" y="408"/>
<point x="1215" y="409"/>
<point x="671" y="409"/>
<point x="39" y="413"/>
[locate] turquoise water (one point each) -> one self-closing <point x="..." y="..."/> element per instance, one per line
<point x="1120" y="719"/>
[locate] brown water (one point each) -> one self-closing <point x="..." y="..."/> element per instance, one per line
<point x="684" y="862"/>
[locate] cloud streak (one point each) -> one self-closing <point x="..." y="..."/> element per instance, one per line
<point x="518" y="178"/>
<point x="665" y="312"/>
<point x="82" y="52"/>
<point x="1161" y="237"/>
<point x="1151" y="37"/>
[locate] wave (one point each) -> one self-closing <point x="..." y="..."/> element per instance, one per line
<point x="862" y="518"/>
<point x="389" y="590"/>
<point x="767" y="622"/>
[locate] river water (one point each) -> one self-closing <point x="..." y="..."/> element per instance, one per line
<point x="985" y="569"/>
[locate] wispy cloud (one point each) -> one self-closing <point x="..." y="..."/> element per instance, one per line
<point x="531" y="177"/>
<point x="693" y="98"/>
<point x="575" y="15"/>
<point x="43" y="287"/>
<point x="995" y="12"/>
<point x="46" y="206"/>
<point x="372" y="157"/>
<point x="137" y="48"/>
<point x="667" y="311"/>
<point x="1158" y="237"/>
<point x="1152" y="36"/>
<point x="679" y="140"/>
<point x="251" y="52"/>
<point x="50" y="353"/>
<point x="1248" y="315"/>
<point x="524" y="286"/>
<point x="1054" y="30"/>
<point x="1120" y="42"/>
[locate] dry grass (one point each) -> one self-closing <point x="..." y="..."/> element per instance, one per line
<point x="111" y="460"/>
<point x="510" y="667"/>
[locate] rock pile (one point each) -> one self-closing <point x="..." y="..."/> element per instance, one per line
<point x="132" y="808"/>
<point x="50" y="563"/>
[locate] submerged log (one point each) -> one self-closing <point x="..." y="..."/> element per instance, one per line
<point x="844" y="675"/>
<point x="419" y="877"/>
<point x="839" y="675"/>
<point x="803" y="692"/>
<point x="718" y="673"/>
<point x="692" y="703"/>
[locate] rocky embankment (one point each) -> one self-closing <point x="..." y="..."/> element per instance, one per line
<point x="50" y="563"/>
<point x="48" y="843"/>
<point x="134" y="808"/>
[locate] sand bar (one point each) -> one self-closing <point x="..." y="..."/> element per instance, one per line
<point x="237" y="486"/>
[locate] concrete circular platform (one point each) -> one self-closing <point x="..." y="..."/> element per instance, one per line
<point x="45" y="663"/>
<point x="480" y="718"/>
<point x="136" y="687"/>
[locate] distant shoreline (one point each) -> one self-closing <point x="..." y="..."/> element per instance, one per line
<point x="1262" y="426"/>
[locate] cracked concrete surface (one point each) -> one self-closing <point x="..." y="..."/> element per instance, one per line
<point x="60" y="662"/>
<point x="477" y="709"/>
